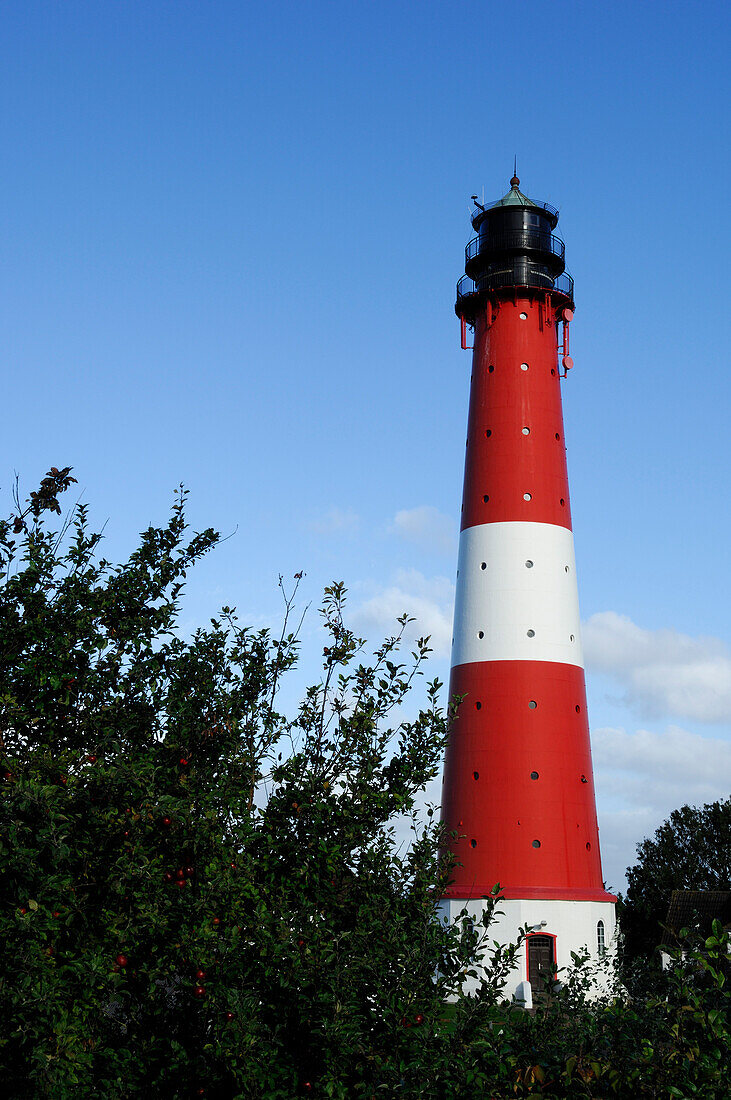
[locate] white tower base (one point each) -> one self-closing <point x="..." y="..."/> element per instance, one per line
<point x="582" y="927"/>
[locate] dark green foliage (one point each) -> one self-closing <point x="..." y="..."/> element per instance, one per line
<point x="690" y="851"/>
<point x="197" y="893"/>
<point x="201" y="897"/>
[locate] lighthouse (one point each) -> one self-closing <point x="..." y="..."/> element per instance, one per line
<point x="518" y="791"/>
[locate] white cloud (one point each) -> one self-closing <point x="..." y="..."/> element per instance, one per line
<point x="663" y="672"/>
<point x="642" y="777"/>
<point x="430" y="600"/>
<point x="428" y="527"/>
<point x="658" y="771"/>
<point x="336" y="521"/>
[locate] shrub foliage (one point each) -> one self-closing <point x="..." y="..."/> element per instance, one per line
<point x="200" y="896"/>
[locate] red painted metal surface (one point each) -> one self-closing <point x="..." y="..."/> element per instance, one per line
<point x="489" y="797"/>
<point x="504" y="810"/>
<point x="503" y="464"/>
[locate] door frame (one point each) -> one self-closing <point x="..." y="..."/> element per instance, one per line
<point x="528" y="938"/>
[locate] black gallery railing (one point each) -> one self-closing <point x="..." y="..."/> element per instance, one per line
<point x="478" y="214"/>
<point x="515" y="240"/>
<point x="466" y="286"/>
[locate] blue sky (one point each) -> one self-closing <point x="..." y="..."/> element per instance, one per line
<point x="230" y="235"/>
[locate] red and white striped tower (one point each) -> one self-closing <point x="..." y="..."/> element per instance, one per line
<point x="518" y="786"/>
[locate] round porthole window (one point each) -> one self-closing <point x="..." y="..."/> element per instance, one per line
<point x="531" y="633"/>
<point x="475" y="775"/>
<point x="529" y="564"/>
<point x="473" y="844"/>
<point x="485" y="499"/>
<point x="532" y="704"/>
<point x="534" y="775"/>
<point x="483" y="565"/>
<point x="478" y="706"/>
<point x="536" y="843"/>
<point x="524" y="316"/>
<point x="480" y="634"/>
<point x="527" y="496"/>
<point x="524" y="366"/>
<point x="526" y="431"/>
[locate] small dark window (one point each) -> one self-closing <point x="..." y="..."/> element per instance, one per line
<point x="600" y="942"/>
<point x="475" y="775"/>
<point x="473" y="844"/>
<point x="532" y="704"/>
<point x="480" y="633"/>
<point x="534" y="775"/>
<point x="491" y="368"/>
<point x="484" y="565"/>
<point x="478" y="706"/>
<point x="485" y="499"/>
<point x="588" y="846"/>
<point x="578" y="709"/>
<point x="536" y="843"/>
<point x="488" y="433"/>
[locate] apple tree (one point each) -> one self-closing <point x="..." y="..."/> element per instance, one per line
<point x="201" y="896"/>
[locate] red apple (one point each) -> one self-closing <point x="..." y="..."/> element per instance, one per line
<point x="168" y="877"/>
<point x="122" y="960"/>
<point x="166" y="821"/>
<point x="91" y="759"/>
<point x="229" y="1015"/>
<point x="189" y="871"/>
<point x="200" y="975"/>
<point x="420" y="1019"/>
<point x="216" y="920"/>
<point x="199" y="991"/>
<point x="183" y="762"/>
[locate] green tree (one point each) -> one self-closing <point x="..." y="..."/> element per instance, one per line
<point x="200" y="896"/>
<point x="690" y="851"/>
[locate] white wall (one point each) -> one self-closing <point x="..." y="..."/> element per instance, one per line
<point x="573" y="923"/>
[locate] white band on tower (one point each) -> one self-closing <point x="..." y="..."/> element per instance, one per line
<point x="517" y="598"/>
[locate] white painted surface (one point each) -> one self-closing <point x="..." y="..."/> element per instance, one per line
<point x="573" y="923"/>
<point x="507" y="599"/>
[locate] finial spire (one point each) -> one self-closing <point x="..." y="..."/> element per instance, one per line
<point x="515" y="181"/>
